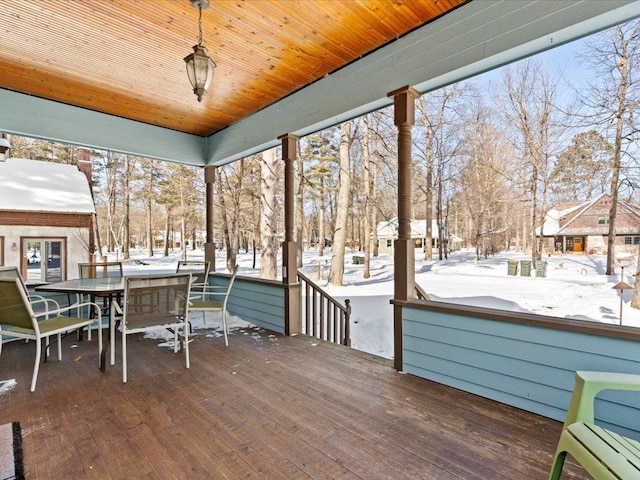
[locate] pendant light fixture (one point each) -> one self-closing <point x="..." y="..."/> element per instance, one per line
<point x="199" y="64"/>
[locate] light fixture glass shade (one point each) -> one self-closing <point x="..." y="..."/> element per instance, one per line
<point x="200" y="70"/>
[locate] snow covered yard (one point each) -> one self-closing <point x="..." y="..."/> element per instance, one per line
<point x="575" y="287"/>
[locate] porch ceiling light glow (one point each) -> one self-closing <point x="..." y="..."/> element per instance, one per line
<point x="199" y="65"/>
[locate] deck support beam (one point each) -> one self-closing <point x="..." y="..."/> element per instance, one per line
<point x="404" y="250"/>
<point x="293" y="312"/>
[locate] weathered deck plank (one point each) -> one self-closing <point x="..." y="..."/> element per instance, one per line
<point x="266" y="407"/>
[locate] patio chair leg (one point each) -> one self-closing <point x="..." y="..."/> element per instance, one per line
<point x="558" y="462"/>
<point x="34" y="378"/>
<point x="186" y="346"/>
<point x="112" y="340"/>
<point x="124" y="356"/>
<point x="224" y="328"/>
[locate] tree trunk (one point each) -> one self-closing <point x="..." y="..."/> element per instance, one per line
<point x="150" y="238"/>
<point x="344" y="188"/>
<point x="167" y="227"/>
<point x="126" y="234"/>
<point x="617" y="160"/>
<point x="231" y="249"/>
<point x="268" y="215"/>
<point x="635" y="299"/>
<point x="321" y="215"/>
<point x="428" y="234"/>
<point x="367" y="198"/>
<point x="374" y="204"/>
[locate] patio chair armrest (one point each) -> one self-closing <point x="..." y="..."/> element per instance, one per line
<point x="38" y="299"/>
<point x="589" y="384"/>
<point x="74" y="306"/>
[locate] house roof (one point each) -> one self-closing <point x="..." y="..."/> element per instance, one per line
<point x="565" y="222"/>
<point x="111" y="74"/>
<point x="36" y="186"/>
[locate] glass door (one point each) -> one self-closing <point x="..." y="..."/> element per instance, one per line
<point x="45" y="260"/>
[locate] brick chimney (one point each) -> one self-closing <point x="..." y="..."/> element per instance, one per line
<point x="84" y="163"/>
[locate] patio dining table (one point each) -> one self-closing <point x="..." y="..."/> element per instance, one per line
<point x="101" y="287"/>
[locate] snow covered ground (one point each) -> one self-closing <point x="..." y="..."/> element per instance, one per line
<point x="575" y="287"/>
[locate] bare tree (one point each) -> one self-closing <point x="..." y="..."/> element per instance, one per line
<point x="369" y="226"/>
<point x="482" y="182"/>
<point x="528" y="104"/>
<point x="344" y="187"/>
<point x="614" y="97"/>
<point x="268" y="214"/>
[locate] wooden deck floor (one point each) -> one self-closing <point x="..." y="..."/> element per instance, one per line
<point x="266" y="407"/>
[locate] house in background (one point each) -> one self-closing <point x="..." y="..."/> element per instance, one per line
<point x="584" y="227"/>
<point x="387" y="232"/>
<point x="46" y="218"/>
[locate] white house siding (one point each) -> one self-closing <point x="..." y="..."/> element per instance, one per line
<point x="77" y="240"/>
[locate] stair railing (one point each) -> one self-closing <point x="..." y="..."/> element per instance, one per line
<point x="323" y="316"/>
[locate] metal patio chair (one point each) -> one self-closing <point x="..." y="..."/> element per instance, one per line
<point x="152" y="302"/>
<point x="38" y="302"/>
<point x="199" y="271"/>
<point x="213" y="298"/>
<point x="101" y="270"/>
<point x="18" y="320"/>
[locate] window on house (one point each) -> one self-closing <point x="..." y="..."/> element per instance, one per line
<point x="388" y="243"/>
<point x="603" y="219"/>
<point x="632" y="240"/>
<point x="46" y="259"/>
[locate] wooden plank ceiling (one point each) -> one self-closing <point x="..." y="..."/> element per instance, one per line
<point x="125" y="57"/>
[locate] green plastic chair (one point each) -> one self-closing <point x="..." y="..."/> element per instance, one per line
<point x="18" y="320"/>
<point x="616" y="457"/>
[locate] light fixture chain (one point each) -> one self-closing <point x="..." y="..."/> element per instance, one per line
<point x="200" y="25"/>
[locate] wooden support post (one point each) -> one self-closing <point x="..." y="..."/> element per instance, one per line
<point x="293" y="312"/>
<point x="404" y="251"/>
<point x="210" y="246"/>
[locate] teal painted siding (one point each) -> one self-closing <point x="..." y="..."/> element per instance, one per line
<point x="261" y="304"/>
<point x="529" y="367"/>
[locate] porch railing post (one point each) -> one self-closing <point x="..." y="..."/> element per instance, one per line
<point x="293" y="312"/>
<point x="404" y="251"/>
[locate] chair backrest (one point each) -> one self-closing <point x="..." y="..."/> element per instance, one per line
<point x="15" y="308"/>
<point x="155" y="299"/>
<point x="199" y="270"/>
<point x="100" y="269"/>
<point x="13" y="272"/>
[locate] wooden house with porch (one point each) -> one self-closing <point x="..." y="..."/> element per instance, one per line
<point x="584" y="227"/>
<point x="485" y="389"/>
